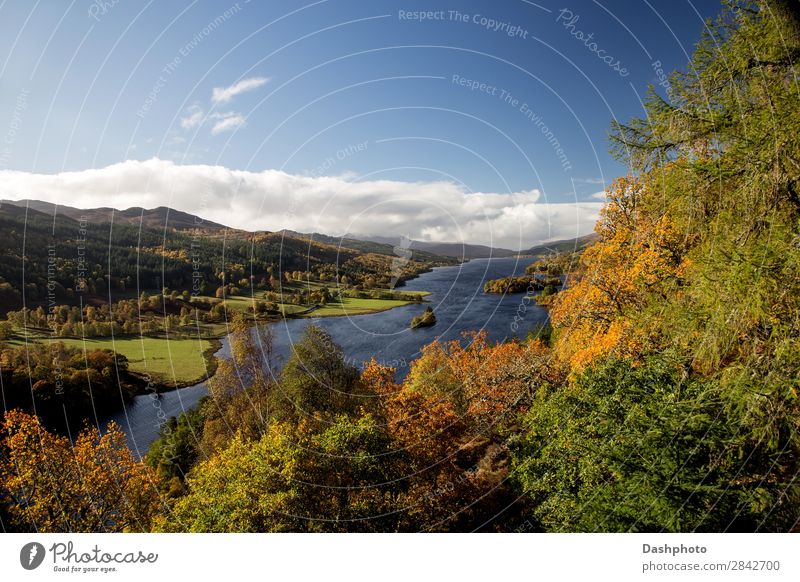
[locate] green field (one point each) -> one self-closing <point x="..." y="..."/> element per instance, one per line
<point x="242" y="303"/>
<point x="351" y="306"/>
<point x="181" y="361"/>
<point x="238" y="303"/>
<point x="169" y="362"/>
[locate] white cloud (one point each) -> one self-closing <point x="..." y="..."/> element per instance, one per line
<point x="224" y="121"/>
<point x="227" y="122"/>
<point x="225" y="94"/>
<point x="599" y="195"/>
<point x="335" y="205"/>
<point x="194" y="118"/>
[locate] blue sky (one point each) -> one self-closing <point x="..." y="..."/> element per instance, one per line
<point x="363" y="90"/>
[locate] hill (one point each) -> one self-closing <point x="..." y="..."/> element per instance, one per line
<point x="560" y="246"/>
<point x="161" y="217"/>
<point x="457" y="250"/>
<point x="52" y="256"/>
<point x="373" y="246"/>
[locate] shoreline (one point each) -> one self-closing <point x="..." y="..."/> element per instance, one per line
<point x="177" y="402"/>
<point x="160" y="383"/>
<point x="148" y="378"/>
<point x="209" y="359"/>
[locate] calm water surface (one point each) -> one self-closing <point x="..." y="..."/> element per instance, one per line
<point x="457" y="299"/>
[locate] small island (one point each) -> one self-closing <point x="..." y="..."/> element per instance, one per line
<point x="427" y="319"/>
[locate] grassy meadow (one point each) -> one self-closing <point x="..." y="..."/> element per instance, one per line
<point x="169" y="362"/>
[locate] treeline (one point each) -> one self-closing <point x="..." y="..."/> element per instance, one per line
<point x="520" y="284"/>
<point x="323" y="295"/>
<point x="556" y="264"/>
<point x="383" y="294"/>
<point x="150" y="314"/>
<point x="64" y="384"/>
<point x="172" y="312"/>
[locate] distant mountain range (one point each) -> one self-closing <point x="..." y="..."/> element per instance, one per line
<point x="444" y="249"/>
<point x="63" y="255"/>
<point x="471" y="251"/>
<point x="161" y="217"/>
<point x="368" y="246"/>
<point x="560" y="246"/>
<point x="171" y="219"/>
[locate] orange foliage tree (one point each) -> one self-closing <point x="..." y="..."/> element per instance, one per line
<point x="448" y="459"/>
<point x="484" y="383"/>
<point x="639" y="251"/>
<point x="93" y="485"/>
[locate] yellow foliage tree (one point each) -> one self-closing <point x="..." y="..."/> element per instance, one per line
<point x="93" y="485"/>
<point x="639" y="250"/>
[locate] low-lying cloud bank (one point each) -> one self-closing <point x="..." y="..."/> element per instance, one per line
<point x="272" y="200"/>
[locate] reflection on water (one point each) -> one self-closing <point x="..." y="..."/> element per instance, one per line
<point x="457" y="299"/>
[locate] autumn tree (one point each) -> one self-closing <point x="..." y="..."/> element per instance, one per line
<point x="485" y="384"/>
<point x="318" y="475"/>
<point x="240" y="390"/>
<point x="639" y="257"/>
<point x="93" y="485"/>
<point x="448" y="455"/>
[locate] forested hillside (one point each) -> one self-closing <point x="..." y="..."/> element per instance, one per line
<point x="53" y="257"/>
<point x="678" y="408"/>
